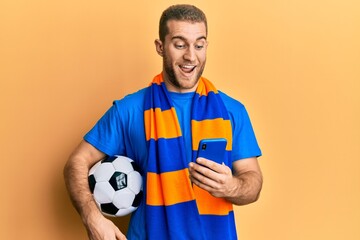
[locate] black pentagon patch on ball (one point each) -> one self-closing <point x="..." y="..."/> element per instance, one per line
<point x="109" y="208"/>
<point x="92" y="182"/>
<point x="118" y="180"/>
<point x="136" y="167"/>
<point x="137" y="199"/>
<point x="109" y="159"/>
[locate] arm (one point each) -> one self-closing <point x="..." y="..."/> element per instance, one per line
<point x="240" y="187"/>
<point x="76" y="179"/>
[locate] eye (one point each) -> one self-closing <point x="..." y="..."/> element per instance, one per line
<point x="180" y="45"/>
<point x="199" y="47"/>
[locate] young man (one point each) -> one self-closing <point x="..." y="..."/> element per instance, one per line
<point x="159" y="127"/>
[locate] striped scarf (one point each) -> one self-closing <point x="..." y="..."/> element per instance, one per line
<point x="176" y="209"/>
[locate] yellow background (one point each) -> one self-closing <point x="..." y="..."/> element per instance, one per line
<point x="294" y="64"/>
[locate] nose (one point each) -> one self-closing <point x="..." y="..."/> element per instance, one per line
<point x="190" y="54"/>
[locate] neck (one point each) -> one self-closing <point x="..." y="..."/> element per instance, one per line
<point x="174" y="86"/>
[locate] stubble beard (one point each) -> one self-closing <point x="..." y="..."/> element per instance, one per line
<point x="170" y="72"/>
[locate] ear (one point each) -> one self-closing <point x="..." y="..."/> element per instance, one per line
<point x="159" y="47"/>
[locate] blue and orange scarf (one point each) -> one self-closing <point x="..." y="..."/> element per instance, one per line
<point x="176" y="209"/>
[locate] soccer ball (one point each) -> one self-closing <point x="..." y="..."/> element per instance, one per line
<point x="116" y="185"/>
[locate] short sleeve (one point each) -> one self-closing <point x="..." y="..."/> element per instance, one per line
<point x="106" y="135"/>
<point x="245" y="144"/>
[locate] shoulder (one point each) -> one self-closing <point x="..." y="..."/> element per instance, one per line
<point x="237" y="111"/>
<point x="131" y="102"/>
<point x="231" y="103"/>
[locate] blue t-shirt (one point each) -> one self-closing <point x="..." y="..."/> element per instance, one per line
<point x="121" y="131"/>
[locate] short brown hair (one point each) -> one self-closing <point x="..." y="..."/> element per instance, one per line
<point x="180" y="12"/>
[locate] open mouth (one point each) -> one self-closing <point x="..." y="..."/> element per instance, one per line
<point x="187" y="68"/>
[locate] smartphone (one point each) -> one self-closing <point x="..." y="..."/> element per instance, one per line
<point x="213" y="149"/>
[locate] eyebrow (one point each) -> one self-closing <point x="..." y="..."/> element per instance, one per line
<point x="184" y="39"/>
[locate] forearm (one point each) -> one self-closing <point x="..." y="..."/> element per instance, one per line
<point x="246" y="188"/>
<point x="76" y="179"/>
<point x="75" y="175"/>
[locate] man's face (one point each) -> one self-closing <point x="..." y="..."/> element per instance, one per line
<point x="184" y="55"/>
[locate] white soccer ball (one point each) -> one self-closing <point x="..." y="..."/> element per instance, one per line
<point x="116" y="185"/>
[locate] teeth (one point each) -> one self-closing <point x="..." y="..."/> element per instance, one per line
<point x="187" y="66"/>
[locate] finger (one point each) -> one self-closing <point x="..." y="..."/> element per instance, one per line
<point x="203" y="176"/>
<point x="201" y="184"/>
<point x="201" y="169"/>
<point x="196" y="170"/>
<point x="216" y="167"/>
<point x="119" y="235"/>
